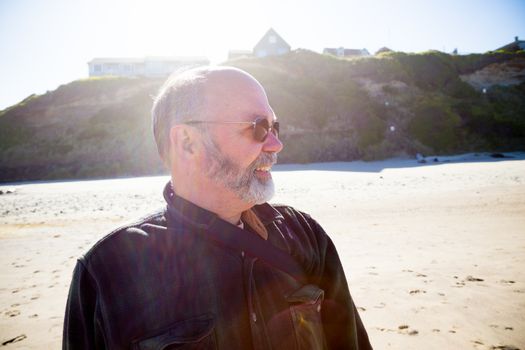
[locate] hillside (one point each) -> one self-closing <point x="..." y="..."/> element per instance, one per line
<point x="330" y="109"/>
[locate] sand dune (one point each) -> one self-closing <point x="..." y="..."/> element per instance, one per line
<point x="434" y="253"/>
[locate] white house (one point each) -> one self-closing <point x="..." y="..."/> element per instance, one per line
<point x="342" y="52"/>
<point x="147" y="66"/>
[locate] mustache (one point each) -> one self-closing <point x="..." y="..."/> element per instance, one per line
<point x="265" y="159"/>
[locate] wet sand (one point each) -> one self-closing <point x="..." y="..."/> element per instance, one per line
<point x="434" y="253"/>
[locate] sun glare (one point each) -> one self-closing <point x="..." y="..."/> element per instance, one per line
<point x="201" y="28"/>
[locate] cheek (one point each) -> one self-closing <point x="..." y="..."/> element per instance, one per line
<point x="245" y="155"/>
<point x="253" y="156"/>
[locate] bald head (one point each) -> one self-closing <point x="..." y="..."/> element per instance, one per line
<point x="201" y="94"/>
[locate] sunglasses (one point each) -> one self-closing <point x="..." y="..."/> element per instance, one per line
<point x="261" y="127"/>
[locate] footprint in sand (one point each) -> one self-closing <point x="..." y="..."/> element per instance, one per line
<point x="380" y="306"/>
<point x="459" y="284"/>
<point x="473" y="279"/>
<point x="15" y="339"/>
<point x="33" y="316"/>
<point x="381" y="329"/>
<point x="507" y="281"/>
<point x="35" y="297"/>
<point x="404" y="329"/>
<point x="417" y="291"/>
<point x="504" y="347"/>
<point x="12" y="313"/>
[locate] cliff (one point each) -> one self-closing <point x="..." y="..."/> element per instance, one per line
<point x="330" y="109"/>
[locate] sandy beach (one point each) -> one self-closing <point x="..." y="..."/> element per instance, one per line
<point x="434" y="253"/>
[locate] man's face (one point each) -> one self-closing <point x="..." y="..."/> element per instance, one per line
<point x="234" y="160"/>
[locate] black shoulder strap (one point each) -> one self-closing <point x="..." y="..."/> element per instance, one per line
<point x="235" y="238"/>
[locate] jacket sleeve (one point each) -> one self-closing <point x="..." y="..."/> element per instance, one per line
<point x="82" y="327"/>
<point x="341" y="322"/>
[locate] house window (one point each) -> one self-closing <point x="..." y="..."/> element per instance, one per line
<point x="97" y="68"/>
<point x="272" y="39"/>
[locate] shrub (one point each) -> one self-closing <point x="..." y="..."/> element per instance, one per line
<point x="435" y="124"/>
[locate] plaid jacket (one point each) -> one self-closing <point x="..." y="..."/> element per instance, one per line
<point x="161" y="284"/>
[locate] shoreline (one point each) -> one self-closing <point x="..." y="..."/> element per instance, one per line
<point x="336" y="165"/>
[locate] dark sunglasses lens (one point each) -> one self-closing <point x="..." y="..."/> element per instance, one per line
<point x="275" y="129"/>
<point x="261" y="129"/>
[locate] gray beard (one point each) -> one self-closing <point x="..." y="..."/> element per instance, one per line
<point x="242" y="182"/>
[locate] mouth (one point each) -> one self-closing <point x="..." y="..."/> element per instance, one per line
<point x="264" y="168"/>
<point x="263" y="173"/>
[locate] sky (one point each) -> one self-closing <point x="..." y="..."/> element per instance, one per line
<point x="44" y="44"/>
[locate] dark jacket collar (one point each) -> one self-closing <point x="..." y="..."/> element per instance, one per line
<point x="182" y="210"/>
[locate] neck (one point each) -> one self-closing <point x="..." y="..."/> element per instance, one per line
<point x="226" y="206"/>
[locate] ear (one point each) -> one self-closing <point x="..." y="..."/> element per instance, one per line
<point x="182" y="141"/>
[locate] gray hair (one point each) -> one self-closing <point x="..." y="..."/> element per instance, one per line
<point x="181" y="97"/>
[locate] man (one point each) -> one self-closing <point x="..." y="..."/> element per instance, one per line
<point x="219" y="268"/>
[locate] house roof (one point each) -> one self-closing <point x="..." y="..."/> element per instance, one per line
<point x="233" y="54"/>
<point x="239" y="52"/>
<point x="264" y="40"/>
<point x="177" y="59"/>
<point x="346" y="52"/>
<point x="514" y="46"/>
<point x="383" y="49"/>
<point x="116" y="60"/>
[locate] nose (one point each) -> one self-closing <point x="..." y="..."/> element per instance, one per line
<point x="272" y="143"/>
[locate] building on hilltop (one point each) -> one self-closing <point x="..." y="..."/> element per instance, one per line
<point x="234" y="54"/>
<point x="146" y="67"/>
<point x="516" y="45"/>
<point x="383" y="49"/>
<point x="342" y="52"/>
<point x="271" y="44"/>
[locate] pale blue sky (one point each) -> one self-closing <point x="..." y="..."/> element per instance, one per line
<point x="47" y="43"/>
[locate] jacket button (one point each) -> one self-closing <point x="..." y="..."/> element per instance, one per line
<point x="242" y="253"/>
<point x="254" y="317"/>
<point x="319" y="308"/>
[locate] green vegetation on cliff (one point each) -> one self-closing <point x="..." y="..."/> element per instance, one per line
<point x="330" y="108"/>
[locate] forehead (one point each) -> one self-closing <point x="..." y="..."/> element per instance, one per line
<point x="237" y="95"/>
